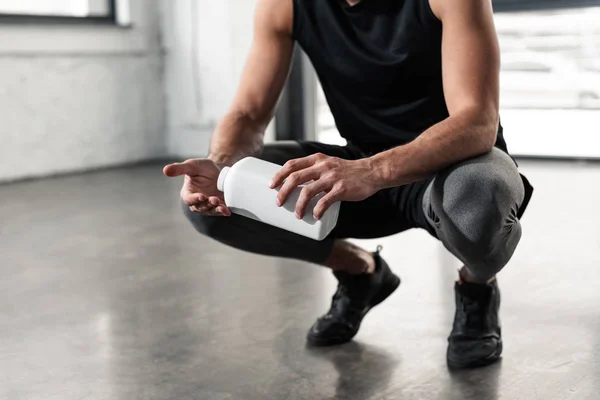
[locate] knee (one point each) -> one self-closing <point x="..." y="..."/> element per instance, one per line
<point x="476" y="202"/>
<point x="484" y="260"/>
<point x="477" y="213"/>
<point x="480" y="188"/>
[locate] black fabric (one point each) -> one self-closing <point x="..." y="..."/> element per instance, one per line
<point x="528" y="195"/>
<point x="386" y="213"/>
<point x="379" y="63"/>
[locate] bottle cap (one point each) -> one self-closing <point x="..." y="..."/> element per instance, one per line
<point x="221" y="180"/>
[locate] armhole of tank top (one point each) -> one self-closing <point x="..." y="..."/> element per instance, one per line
<point x="430" y="12"/>
<point x="295" y="20"/>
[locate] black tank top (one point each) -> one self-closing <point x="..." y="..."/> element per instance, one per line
<point x="379" y="63"/>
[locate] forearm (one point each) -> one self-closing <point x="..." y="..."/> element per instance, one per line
<point x="240" y="133"/>
<point x="459" y="137"/>
<point x="237" y="136"/>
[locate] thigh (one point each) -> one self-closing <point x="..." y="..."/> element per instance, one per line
<point x="372" y="218"/>
<point x="283" y="151"/>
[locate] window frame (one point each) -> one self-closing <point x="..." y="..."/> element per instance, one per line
<point x="541" y="5"/>
<point x="530" y="66"/>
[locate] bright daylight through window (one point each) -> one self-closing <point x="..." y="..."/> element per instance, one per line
<point x="550" y="83"/>
<point x="56" y="8"/>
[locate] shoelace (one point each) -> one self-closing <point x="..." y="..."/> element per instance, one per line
<point x="341" y="293"/>
<point x="337" y="305"/>
<point x="472" y="313"/>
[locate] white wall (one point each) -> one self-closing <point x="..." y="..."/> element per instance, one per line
<point x="206" y="45"/>
<point x="76" y="97"/>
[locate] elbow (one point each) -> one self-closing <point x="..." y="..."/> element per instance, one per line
<point x="480" y="127"/>
<point x="489" y="135"/>
<point x="247" y="116"/>
<point x="255" y="115"/>
<point x="486" y="123"/>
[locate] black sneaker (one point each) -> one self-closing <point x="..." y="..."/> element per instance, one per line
<point x="355" y="296"/>
<point x="476" y="338"/>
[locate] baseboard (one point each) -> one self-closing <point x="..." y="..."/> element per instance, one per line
<point x="565" y="159"/>
<point x="80" y="171"/>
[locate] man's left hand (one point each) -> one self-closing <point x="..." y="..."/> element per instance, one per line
<point x="341" y="180"/>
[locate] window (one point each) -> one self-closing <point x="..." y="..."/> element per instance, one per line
<point x="549" y="88"/>
<point x="91" y="9"/>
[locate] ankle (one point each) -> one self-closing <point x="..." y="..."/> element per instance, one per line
<point x="347" y="257"/>
<point x="466" y="276"/>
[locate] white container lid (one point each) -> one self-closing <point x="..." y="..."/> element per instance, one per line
<point x="221" y="179"/>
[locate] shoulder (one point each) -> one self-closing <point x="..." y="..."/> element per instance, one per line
<point x="444" y="9"/>
<point x="435" y="6"/>
<point x="275" y="14"/>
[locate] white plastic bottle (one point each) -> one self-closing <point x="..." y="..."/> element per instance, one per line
<point x="247" y="192"/>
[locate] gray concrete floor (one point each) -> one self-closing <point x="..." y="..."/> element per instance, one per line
<point x="107" y="293"/>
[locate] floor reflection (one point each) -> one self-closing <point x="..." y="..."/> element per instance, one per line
<point x="477" y="384"/>
<point x="364" y="371"/>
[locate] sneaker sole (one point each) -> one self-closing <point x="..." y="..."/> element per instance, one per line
<point x="383" y="294"/>
<point x="492" y="358"/>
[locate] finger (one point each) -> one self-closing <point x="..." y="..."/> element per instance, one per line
<point x="209" y="205"/>
<point x="215" y="201"/>
<point x="293" y="181"/>
<point x="209" y="213"/>
<point x="308" y="193"/>
<point x="220" y="211"/>
<point x="191" y="199"/>
<point x="289" y="167"/>
<point x="198" y="209"/>
<point x="219" y="206"/>
<point x="324" y="204"/>
<point x="212" y="213"/>
<point x="194" y="209"/>
<point x="202" y="206"/>
<point x="223" y="211"/>
<point x="206" y="209"/>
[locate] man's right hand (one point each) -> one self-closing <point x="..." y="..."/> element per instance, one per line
<point x="199" y="191"/>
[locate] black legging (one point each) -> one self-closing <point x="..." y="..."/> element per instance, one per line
<point x="472" y="207"/>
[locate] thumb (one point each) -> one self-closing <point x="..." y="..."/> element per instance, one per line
<point x="178" y="169"/>
<point x="191" y="167"/>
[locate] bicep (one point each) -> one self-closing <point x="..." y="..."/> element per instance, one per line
<point x="470" y="56"/>
<point x="268" y="63"/>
